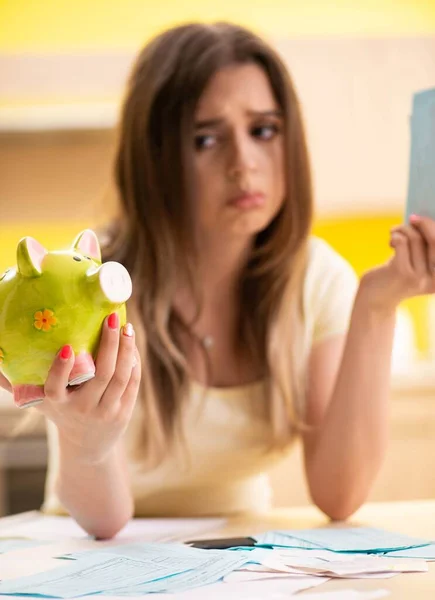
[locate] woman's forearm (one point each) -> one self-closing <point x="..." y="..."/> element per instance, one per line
<point x="354" y="434"/>
<point x="97" y="495"/>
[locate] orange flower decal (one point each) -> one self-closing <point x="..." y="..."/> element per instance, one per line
<point x="44" y="319"/>
<point x="2" y="356"/>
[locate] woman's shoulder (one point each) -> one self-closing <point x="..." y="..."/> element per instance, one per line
<point x="327" y="270"/>
<point x="321" y="254"/>
<point x="329" y="290"/>
<point x="325" y="263"/>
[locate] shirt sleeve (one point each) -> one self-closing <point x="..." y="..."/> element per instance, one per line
<point x="331" y="286"/>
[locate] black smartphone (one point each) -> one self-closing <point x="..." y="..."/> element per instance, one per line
<point x="222" y="544"/>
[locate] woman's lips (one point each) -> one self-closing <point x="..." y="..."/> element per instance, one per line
<point x="248" y="200"/>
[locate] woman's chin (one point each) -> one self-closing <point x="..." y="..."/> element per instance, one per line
<point x="250" y="224"/>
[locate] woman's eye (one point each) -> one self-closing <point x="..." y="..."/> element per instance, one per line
<point x="265" y="132"/>
<point x="203" y="142"/>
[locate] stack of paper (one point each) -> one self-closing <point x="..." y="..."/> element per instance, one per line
<point x="284" y="561"/>
<point x="357" y="553"/>
<point x="423" y="552"/>
<point x="268" y="564"/>
<point x="350" y="539"/>
<point x="135" y="570"/>
<point x="259" y="590"/>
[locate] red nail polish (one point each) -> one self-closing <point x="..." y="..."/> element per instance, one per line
<point x="127" y="330"/>
<point x="113" y="321"/>
<point x="65" y="353"/>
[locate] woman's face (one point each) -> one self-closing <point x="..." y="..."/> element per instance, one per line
<point x="238" y="154"/>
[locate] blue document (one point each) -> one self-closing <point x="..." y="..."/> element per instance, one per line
<point x="135" y="570"/>
<point x="354" y="539"/>
<point x="421" y="185"/>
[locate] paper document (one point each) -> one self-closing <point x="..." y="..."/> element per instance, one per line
<point x="212" y="570"/>
<point x="421" y="184"/>
<point x="277" y="538"/>
<point x="354" y="539"/>
<point x="259" y="590"/>
<point x="256" y="590"/>
<point x="141" y="569"/>
<point x="145" y="551"/>
<point x="423" y="552"/>
<point x="359" y="565"/>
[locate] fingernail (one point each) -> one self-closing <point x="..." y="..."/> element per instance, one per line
<point x="65" y="352"/>
<point x="394" y="239"/>
<point x="414" y="218"/>
<point x="128" y="330"/>
<point x="113" y="321"/>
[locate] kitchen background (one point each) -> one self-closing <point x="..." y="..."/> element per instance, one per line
<point x="356" y="65"/>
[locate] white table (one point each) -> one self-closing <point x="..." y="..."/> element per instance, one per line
<point x="412" y="518"/>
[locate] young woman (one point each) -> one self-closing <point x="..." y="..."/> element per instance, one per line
<point x="248" y="331"/>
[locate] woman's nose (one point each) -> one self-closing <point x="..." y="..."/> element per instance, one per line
<point x="242" y="160"/>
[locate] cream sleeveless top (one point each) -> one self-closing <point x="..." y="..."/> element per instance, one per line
<point x="227" y="436"/>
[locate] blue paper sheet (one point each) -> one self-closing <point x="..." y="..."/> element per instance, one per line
<point x="421" y="185"/>
<point x="142" y="550"/>
<point x="136" y="569"/>
<point x="353" y="539"/>
<point x="212" y="570"/>
<point x="277" y="539"/>
<point x="423" y="552"/>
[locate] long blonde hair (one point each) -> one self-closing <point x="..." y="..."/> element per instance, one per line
<point x="151" y="235"/>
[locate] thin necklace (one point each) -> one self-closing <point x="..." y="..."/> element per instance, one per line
<point x="207" y="341"/>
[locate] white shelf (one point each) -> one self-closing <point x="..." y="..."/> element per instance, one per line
<point x="58" y="117"/>
<point x="418" y="377"/>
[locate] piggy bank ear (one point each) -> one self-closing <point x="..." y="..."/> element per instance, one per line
<point x="87" y="244"/>
<point x="30" y="255"/>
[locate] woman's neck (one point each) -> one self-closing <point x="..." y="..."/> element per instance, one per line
<point x="216" y="328"/>
<point x="221" y="263"/>
<point x="220" y="266"/>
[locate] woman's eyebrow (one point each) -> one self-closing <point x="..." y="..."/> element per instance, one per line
<point x="266" y="113"/>
<point x="278" y="114"/>
<point x="208" y="123"/>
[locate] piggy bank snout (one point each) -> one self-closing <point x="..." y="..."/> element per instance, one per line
<point x="115" y="282"/>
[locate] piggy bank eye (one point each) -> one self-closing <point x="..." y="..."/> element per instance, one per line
<point x="77" y="258"/>
<point x="88" y="258"/>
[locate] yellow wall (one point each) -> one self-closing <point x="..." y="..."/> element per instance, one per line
<point x="362" y="240"/>
<point x="83" y="25"/>
<point x="60" y="25"/>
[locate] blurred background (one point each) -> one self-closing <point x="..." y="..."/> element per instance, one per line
<point x="356" y="65"/>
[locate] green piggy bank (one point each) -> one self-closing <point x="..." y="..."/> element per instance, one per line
<point x="51" y="299"/>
